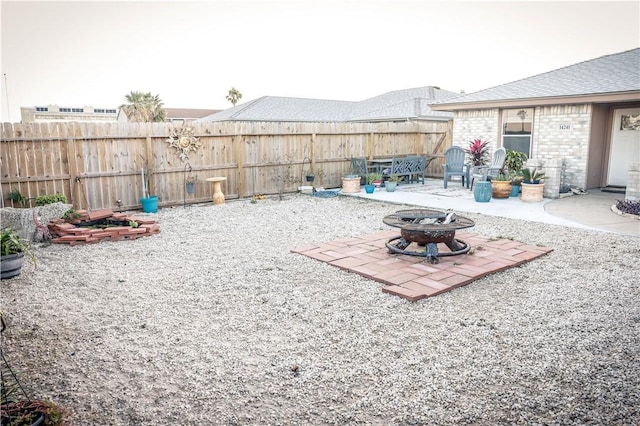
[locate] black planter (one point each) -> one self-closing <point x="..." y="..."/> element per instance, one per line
<point x="310" y="178"/>
<point x="191" y="188"/>
<point x="11" y="265"/>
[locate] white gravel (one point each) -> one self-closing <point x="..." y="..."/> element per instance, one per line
<point x="215" y="321"/>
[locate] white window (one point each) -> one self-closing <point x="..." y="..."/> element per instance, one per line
<point x="516" y="129"/>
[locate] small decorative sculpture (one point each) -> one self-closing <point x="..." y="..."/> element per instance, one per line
<point x="184" y="142"/>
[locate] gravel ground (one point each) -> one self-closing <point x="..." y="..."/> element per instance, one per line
<point x="215" y="321"/>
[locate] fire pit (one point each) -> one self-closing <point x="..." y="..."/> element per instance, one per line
<point x="427" y="228"/>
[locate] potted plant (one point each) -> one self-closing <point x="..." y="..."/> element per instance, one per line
<point x="478" y="152"/>
<point x="513" y="165"/>
<point x="351" y="183"/>
<point x="532" y="184"/>
<point x="16" y="408"/>
<point x="372" y="178"/>
<point x="392" y="183"/>
<point x="516" y="183"/>
<point x="311" y="176"/>
<point x="190" y="184"/>
<point x="26" y="412"/>
<point x="149" y="202"/>
<point x="501" y="186"/>
<point x="377" y="181"/>
<point x="12" y="250"/>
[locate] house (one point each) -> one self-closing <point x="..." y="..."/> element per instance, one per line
<point x="176" y="116"/>
<point x="186" y="115"/>
<point x="55" y="113"/>
<point x="580" y="122"/>
<point x="400" y="105"/>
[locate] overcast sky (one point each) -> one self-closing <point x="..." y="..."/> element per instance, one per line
<point x="88" y="53"/>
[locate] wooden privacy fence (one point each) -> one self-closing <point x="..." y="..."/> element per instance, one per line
<point x="99" y="165"/>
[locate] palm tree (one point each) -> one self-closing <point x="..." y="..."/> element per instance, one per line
<point x="522" y="114"/>
<point x="143" y="107"/>
<point x="234" y="96"/>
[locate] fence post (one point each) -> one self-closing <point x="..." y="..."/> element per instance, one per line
<point x="151" y="189"/>
<point x="370" y="146"/>
<point x="240" y="161"/>
<point x="312" y="155"/>
<point x="74" y="189"/>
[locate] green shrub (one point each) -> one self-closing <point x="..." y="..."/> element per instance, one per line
<point x="17" y="197"/>
<point x="43" y="200"/>
<point x="71" y="214"/>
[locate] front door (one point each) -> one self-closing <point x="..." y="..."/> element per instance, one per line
<point x="625" y="145"/>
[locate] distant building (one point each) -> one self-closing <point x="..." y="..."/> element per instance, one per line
<point x="399" y="105"/>
<point x="46" y="114"/>
<point x="186" y="115"/>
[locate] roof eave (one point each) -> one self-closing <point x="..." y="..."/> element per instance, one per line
<point x="531" y="102"/>
<point x="414" y="118"/>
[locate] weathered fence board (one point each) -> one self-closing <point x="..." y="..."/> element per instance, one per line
<point x="99" y="165"/>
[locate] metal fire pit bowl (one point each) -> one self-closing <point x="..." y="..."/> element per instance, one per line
<point x="427" y="228"/>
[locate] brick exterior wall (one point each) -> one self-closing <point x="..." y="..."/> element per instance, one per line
<point x="561" y="132"/>
<point x="560" y="135"/>
<point x="471" y="124"/>
<point x="633" y="183"/>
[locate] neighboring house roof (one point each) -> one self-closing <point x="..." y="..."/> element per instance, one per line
<point x="392" y="106"/>
<point x="274" y="108"/>
<point x="188" y="113"/>
<point x="402" y="104"/>
<point x="596" y="79"/>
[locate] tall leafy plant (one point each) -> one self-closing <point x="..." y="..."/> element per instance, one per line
<point x="11" y="243"/>
<point x="513" y="164"/>
<point x="532" y="175"/>
<point x="478" y="152"/>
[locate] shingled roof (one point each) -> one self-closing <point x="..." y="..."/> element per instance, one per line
<point x="188" y="113"/>
<point x="611" y="74"/>
<point x="392" y="106"/>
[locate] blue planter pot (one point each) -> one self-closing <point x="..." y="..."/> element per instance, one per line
<point x="369" y="189"/>
<point x="482" y="192"/>
<point x="515" y="190"/>
<point x="149" y="204"/>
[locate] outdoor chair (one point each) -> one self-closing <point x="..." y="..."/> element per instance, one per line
<point x="455" y="166"/>
<point x="492" y="170"/>
<point x="359" y="167"/>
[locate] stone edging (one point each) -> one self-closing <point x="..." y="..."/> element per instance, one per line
<point x="618" y="212"/>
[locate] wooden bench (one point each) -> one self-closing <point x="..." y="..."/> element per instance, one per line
<point x="411" y="168"/>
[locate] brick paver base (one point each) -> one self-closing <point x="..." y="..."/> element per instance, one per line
<point x="413" y="277"/>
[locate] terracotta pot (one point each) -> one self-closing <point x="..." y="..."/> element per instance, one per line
<point x="500" y="188"/>
<point x="532" y="192"/>
<point x="351" y="185"/>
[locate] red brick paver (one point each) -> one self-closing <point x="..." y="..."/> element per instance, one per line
<point x="413" y="277"/>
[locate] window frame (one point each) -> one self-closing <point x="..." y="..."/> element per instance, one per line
<point x="506" y="120"/>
